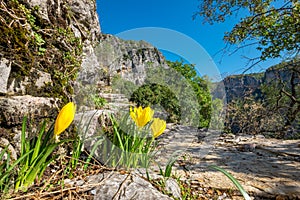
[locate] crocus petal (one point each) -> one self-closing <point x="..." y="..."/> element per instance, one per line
<point x="158" y="126"/>
<point x="141" y="116"/>
<point x="64" y="118"/>
<point x="133" y="114"/>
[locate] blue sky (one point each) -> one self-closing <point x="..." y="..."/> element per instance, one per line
<point x="119" y="17"/>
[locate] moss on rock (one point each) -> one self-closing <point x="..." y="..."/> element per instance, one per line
<point x="31" y="42"/>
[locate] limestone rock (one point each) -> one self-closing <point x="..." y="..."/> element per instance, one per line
<point x="113" y="185"/>
<point x="5" y="67"/>
<point x="3" y="144"/>
<point x="129" y="59"/>
<point x="31" y="84"/>
<point x="43" y="79"/>
<point x="89" y="121"/>
<point x="239" y="86"/>
<point x="173" y="188"/>
<point x="84" y="19"/>
<point x="264" y="167"/>
<point x="243" y="85"/>
<point x="13" y="109"/>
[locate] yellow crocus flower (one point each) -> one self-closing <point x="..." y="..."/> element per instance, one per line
<point x="64" y="118"/>
<point x="141" y="116"/>
<point x="158" y="126"/>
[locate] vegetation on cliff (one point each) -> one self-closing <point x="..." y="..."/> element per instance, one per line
<point x="39" y="45"/>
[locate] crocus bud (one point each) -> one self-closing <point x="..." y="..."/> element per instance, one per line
<point x="64" y="118"/>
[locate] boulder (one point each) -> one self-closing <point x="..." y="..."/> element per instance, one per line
<point x="14" y="109"/>
<point x="114" y="185"/>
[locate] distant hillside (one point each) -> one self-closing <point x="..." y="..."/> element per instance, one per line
<point x="242" y="85"/>
<point x="264" y="103"/>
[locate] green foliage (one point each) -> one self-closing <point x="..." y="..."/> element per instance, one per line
<point x="99" y="101"/>
<point x="177" y="90"/>
<point x="168" y="169"/>
<point x="7" y="169"/>
<point x="127" y="145"/>
<point x="77" y="146"/>
<point x="272" y="26"/>
<point x="217" y="118"/>
<point x="234" y="181"/>
<point x="199" y="87"/>
<point x="37" y="153"/>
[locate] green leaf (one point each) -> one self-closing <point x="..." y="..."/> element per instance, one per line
<point x="47" y="138"/>
<point x="38" y="142"/>
<point x="23" y="136"/>
<point x="3" y="152"/>
<point x="6" y="174"/>
<point x="37" y="164"/>
<point x="92" y="153"/>
<point x="234" y="181"/>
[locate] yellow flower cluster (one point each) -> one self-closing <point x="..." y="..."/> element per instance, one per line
<point x="142" y="116"/>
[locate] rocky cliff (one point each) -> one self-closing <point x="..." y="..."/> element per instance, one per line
<point x="113" y="56"/>
<point x="42" y="43"/>
<point x="240" y="86"/>
<point x="48" y="48"/>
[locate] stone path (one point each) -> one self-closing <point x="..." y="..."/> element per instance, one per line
<point x="267" y="168"/>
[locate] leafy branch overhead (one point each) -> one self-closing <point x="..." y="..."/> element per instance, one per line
<point x="274" y="27"/>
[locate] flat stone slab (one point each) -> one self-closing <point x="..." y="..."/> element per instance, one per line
<point x="265" y="167"/>
<point x="114" y="185"/>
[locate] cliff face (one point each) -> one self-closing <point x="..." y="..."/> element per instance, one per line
<point x="240" y="86"/>
<point x="287" y="74"/>
<point x="40" y="54"/>
<point x="113" y="56"/>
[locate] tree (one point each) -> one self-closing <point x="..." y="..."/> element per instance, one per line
<point x="199" y="86"/>
<point x="273" y="28"/>
<point x="282" y="94"/>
